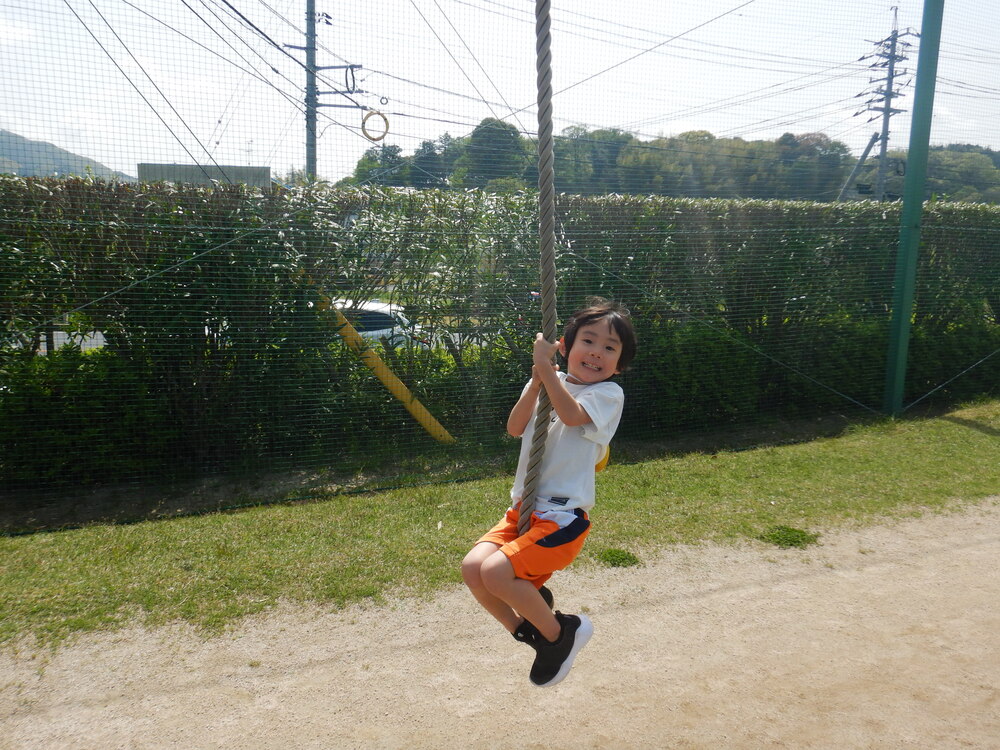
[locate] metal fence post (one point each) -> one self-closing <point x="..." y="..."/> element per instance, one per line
<point x="913" y="200"/>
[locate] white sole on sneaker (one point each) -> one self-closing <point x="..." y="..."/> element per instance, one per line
<point x="583" y="634"/>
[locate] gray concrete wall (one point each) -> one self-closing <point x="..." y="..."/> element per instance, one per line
<point x="205" y="175"/>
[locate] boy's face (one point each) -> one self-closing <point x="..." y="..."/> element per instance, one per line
<point x="595" y="353"/>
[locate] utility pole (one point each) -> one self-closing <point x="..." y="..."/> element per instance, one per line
<point x="887" y="109"/>
<point x="889" y="53"/>
<point x="311" y="96"/>
<point x="312" y="92"/>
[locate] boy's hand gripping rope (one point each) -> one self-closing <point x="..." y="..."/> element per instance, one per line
<point x="547" y="255"/>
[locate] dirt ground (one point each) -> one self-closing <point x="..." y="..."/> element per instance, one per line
<point x="885" y="637"/>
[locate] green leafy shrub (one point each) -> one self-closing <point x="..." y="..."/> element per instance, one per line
<point x="81" y="418"/>
<point x="219" y="357"/>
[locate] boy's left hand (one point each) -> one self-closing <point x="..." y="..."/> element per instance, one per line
<point x="536" y="377"/>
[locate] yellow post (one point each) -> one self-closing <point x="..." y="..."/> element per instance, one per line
<point x="602" y="464"/>
<point x="396" y="386"/>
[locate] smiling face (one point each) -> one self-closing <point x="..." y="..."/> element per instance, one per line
<point x="594" y="354"/>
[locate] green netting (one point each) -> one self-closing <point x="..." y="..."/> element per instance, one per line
<point x="170" y="346"/>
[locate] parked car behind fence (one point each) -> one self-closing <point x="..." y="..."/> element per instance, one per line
<point x="378" y="321"/>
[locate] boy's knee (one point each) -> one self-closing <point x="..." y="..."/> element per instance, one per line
<point x="496" y="572"/>
<point x="472" y="564"/>
<point x="471" y="570"/>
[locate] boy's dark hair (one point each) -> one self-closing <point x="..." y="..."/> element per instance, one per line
<point x="617" y="315"/>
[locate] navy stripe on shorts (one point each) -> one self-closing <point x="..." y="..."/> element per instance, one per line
<point x="568" y="533"/>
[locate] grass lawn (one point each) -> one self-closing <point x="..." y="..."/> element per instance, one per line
<point x="211" y="570"/>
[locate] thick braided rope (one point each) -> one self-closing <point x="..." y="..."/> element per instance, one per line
<point x="547" y="254"/>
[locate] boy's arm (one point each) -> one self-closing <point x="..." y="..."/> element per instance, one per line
<point x="567" y="407"/>
<point x="520" y="415"/>
<point x="523" y="409"/>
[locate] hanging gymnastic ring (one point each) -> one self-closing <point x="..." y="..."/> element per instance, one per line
<point x="364" y="126"/>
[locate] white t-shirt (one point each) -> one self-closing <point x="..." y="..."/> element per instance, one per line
<point x="567" y="478"/>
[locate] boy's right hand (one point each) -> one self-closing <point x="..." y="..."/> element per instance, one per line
<point x="543" y="352"/>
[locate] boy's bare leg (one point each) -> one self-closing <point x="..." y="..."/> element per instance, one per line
<point x="497" y="575"/>
<point x="472" y="575"/>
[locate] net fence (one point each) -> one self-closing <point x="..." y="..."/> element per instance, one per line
<point x="201" y="309"/>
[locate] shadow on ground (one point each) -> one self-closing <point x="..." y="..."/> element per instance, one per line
<point x="124" y="502"/>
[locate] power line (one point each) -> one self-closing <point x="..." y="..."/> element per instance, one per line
<point x="770" y="122"/>
<point x="134" y="86"/>
<point x="155" y="86"/>
<point x="691" y="45"/>
<point x="229" y="44"/>
<point x="654" y="47"/>
<point x="565" y="29"/>
<point x="253" y="72"/>
<point x="481" y="68"/>
<point x="643" y="52"/>
<point x="969" y="86"/>
<point x="281" y="48"/>
<point x="704" y="108"/>
<point x="514" y="113"/>
<point x="438" y="89"/>
<point x="741" y="99"/>
<point x="452" y="56"/>
<point x="260" y="32"/>
<point x="300" y="31"/>
<point x="281" y="138"/>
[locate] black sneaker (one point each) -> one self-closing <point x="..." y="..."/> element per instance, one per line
<point x="528" y="633"/>
<point x="553" y="660"/>
<point x="546" y="595"/>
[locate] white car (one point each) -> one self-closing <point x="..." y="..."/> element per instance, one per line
<point x="382" y="320"/>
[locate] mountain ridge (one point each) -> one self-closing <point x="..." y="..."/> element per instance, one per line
<point x="29" y="158"/>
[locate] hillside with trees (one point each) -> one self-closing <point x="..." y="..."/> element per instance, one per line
<point x="695" y="164"/>
<point x="956" y="172"/>
<point x="27" y="158"/>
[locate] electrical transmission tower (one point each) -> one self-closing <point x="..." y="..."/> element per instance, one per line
<point x="889" y="52"/>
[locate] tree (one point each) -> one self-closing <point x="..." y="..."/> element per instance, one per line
<point x="962" y="173"/>
<point x="572" y="164"/>
<point x="813" y="167"/>
<point x="427" y="168"/>
<point x="963" y="176"/>
<point x="968" y="148"/>
<point x="643" y="166"/>
<point x="495" y="150"/>
<point x="382" y="165"/>
<point x="695" y="163"/>
<point x="605" y="149"/>
<point x="294" y="176"/>
<point x="451" y="150"/>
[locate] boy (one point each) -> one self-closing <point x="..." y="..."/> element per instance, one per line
<point x="505" y="572"/>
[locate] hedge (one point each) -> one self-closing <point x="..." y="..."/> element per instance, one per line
<point x="220" y="358"/>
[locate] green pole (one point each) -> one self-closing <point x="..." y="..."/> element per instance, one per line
<point x="913" y="203"/>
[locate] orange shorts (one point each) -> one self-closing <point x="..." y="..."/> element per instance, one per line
<point x="544" y="549"/>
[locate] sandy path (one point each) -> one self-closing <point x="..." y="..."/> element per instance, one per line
<point x="878" y="638"/>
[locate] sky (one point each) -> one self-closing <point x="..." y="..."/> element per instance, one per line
<point x="190" y="81"/>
